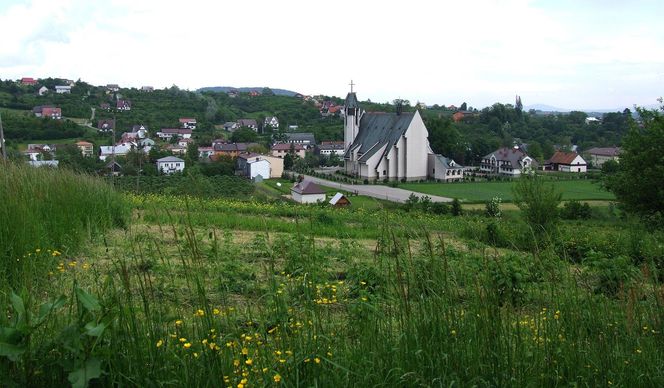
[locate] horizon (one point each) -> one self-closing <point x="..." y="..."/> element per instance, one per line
<point x="586" y="56"/>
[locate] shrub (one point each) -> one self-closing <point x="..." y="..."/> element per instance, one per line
<point x="575" y="210"/>
<point x="493" y="208"/>
<point x="456" y="208"/>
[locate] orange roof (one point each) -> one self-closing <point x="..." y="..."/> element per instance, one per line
<point x="83" y="143"/>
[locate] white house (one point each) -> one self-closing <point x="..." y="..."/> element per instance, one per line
<point x="331" y="148"/>
<point x="170" y="165"/>
<point x="445" y="169"/>
<point x="43" y="90"/>
<point x="117" y="150"/>
<point x="507" y="161"/>
<point x="168" y="133"/>
<point x="272" y="122"/>
<point x="598" y="156"/>
<point x="253" y="165"/>
<point x="566" y="162"/>
<point x="307" y="192"/>
<point x="188" y="122"/>
<point x="63" y="89"/>
<point x="384" y="145"/>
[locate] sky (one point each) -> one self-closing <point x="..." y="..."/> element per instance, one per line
<point x="592" y="54"/>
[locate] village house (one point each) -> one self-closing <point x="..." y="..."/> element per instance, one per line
<point x="168" y="133"/>
<point x="306" y="139"/>
<point x="112" y="87"/>
<point x="507" y="161"/>
<point x="248" y="123"/>
<point x="147" y="89"/>
<point x="331" y="148"/>
<point x="253" y="166"/>
<point x="565" y="162"/>
<point x="47" y="111"/>
<point x="112" y="168"/>
<point x="87" y="148"/>
<point x="42" y="91"/>
<point x="28" y="81"/>
<point x="280" y="150"/>
<point x="44" y="163"/>
<point x="205" y="152"/>
<point x="307" y="192"/>
<point x="176" y="149"/>
<point x="123" y="105"/>
<point x="462" y="115"/>
<point x="106" y="152"/>
<point x="105" y="125"/>
<point x="63" y="89"/>
<point x="188" y="123"/>
<point x="170" y="165"/>
<point x="40" y="151"/>
<point x="271" y="122"/>
<point x="231" y="149"/>
<point x="231" y="126"/>
<point x="599" y="156"/>
<point x="444" y="169"/>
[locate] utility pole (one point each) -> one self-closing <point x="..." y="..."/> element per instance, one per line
<point x="2" y="141"/>
<point x="113" y="153"/>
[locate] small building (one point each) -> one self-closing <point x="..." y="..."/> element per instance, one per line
<point x="307" y="192"/>
<point x="306" y="139"/>
<point x="205" y="152"/>
<point x="105" y="125"/>
<point x="253" y="165"/>
<point x="106" y="152"/>
<point x="598" y="156"/>
<point x="170" y="165"/>
<point x="44" y="163"/>
<point x="445" y="169"/>
<point x="231" y="126"/>
<point x="249" y="123"/>
<point x="565" y="162"/>
<point x="28" y="81"/>
<point x="168" y="133"/>
<point x="63" y="89"/>
<point x="188" y="123"/>
<point x="147" y="89"/>
<point x="271" y="122"/>
<point x="339" y="200"/>
<point x="113" y="87"/>
<point x="87" y="148"/>
<point x="280" y="150"/>
<point x="113" y="168"/>
<point x="42" y="91"/>
<point x="331" y="148"/>
<point x="123" y="105"/>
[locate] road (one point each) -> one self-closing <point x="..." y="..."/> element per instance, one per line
<point x="393" y="194"/>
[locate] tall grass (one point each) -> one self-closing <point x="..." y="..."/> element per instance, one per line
<point x="183" y="304"/>
<point x="45" y="212"/>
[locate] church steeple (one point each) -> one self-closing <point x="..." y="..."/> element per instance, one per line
<point x="352" y="115"/>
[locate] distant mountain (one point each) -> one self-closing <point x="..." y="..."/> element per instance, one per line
<point x="226" y="89"/>
<point x="545" y="108"/>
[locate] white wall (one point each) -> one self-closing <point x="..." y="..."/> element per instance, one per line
<point x="261" y="167"/>
<point x="307" y="198"/>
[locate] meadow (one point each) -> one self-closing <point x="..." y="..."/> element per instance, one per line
<point x="578" y="189"/>
<point x="189" y="291"/>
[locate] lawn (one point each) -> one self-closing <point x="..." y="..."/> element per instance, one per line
<point x="483" y="191"/>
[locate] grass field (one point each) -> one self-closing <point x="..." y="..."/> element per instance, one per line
<point x="483" y="191"/>
<point x="247" y="293"/>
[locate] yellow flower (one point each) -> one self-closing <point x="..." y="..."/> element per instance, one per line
<point x="249" y="361"/>
<point x="454" y="333"/>
<point x="245" y="351"/>
<point x="178" y="322"/>
<point x="216" y="312"/>
<point x="200" y="313"/>
<point x="37" y="250"/>
<point x="187" y="345"/>
<point x="317" y="360"/>
<point x="183" y="339"/>
<point x="276" y="378"/>
<point x="236" y="363"/>
<point x="159" y="343"/>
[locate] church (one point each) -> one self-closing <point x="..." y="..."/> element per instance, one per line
<point x="380" y="146"/>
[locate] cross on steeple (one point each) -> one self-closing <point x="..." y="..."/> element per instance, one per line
<point x="351" y="86"/>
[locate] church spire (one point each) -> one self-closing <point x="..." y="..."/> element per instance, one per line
<point x="352" y="115"/>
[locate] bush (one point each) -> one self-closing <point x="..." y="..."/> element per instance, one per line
<point x="493" y="208"/>
<point x="575" y="210"/>
<point x="456" y="208"/>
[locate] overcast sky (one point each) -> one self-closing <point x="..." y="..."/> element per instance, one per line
<point x="570" y="54"/>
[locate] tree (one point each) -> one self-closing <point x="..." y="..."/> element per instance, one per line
<point x="288" y="161"/>
<point x="244" y="135"/>
<point x="463" y="106"/>
<point x="639" y="182"/>
<point x="538" y="202"/>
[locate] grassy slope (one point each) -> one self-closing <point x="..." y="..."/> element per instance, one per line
<point x="484" y="191"/>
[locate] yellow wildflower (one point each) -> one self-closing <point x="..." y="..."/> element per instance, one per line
<point x="187" y="345"/>
<point x="200" y="313"/>
<point x="216" y="311"/>
<point x="159" y="343"/>
<point x="183" y="339"/>
<point x="276" y="378"/>
<point x="317" y="360"/>
<point x="178" y="322"/>
<point x="249" y="361"/>
<point x="245" y="351"/>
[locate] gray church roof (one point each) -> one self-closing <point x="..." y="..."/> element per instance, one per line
<point x="378" y="129"/>
<point x="351" y="101"/>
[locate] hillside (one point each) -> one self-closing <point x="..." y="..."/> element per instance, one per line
<point x="226" y="89"/>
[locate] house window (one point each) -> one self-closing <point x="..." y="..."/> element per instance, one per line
<point x="384" y="172"/>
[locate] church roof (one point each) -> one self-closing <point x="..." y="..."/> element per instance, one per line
<point x="351" y="101"/>
<point x="379" y="129"/>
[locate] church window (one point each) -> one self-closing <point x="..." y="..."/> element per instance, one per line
<point x="384" y="172"/>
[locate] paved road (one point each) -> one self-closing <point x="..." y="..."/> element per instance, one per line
<point x="393" y="194"/>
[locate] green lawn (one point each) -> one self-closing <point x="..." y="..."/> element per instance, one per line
<point x="484" y="191"/>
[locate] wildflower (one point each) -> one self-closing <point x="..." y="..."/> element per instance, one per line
<point x="638" y="351"/>
<point x="216" y="311"/>
<point x="200" y="313"/>
<point x="37" y="250"/>
<point x="236" y="363"/>
<point x="264" y="370"/>
<point x="249" y="361"/>
<point x="183" y="339"/>
<point x="187" y="345"/>
<point x="317" y="360"/>
<point x="245" y="351"/>
<point x="276" y="378"/>
<point x="159" y="343"/>
<point x="556" y="315"/>
<point x="454" y="333"/>
<point x="178" y="322"/>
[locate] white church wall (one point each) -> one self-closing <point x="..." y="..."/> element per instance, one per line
<point x="417" y="149"/>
